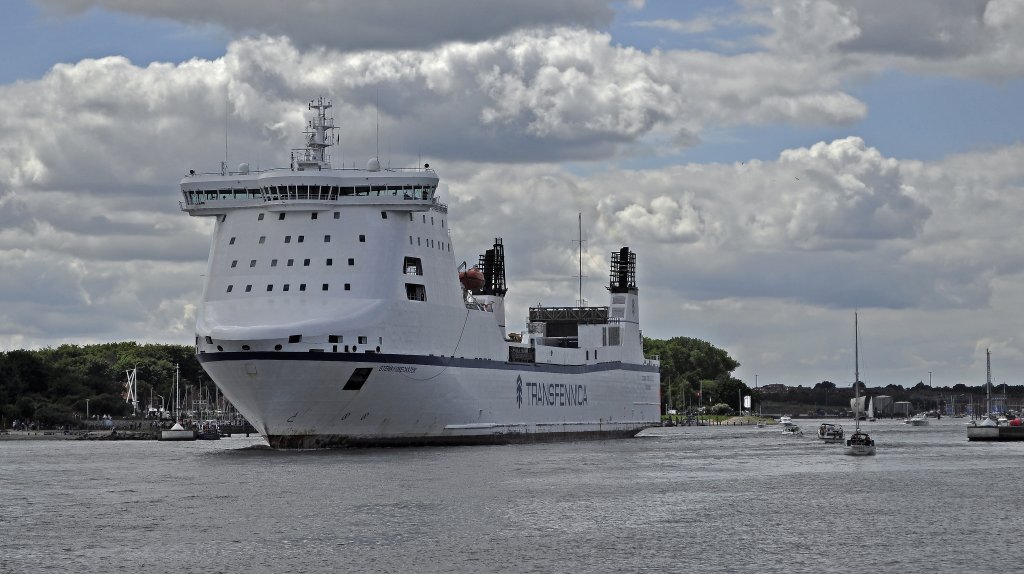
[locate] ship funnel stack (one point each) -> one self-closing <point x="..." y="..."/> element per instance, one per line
<point x="623" y="275"/>
<point x="492" y="265"/>
<point x="625" y="307"/>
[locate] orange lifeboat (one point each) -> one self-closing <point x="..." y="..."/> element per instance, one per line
<point x="472" y="279"/>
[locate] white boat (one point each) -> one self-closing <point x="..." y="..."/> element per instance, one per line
<point x="859" y="443"/>
<point x="871" y="410"/>
<point x="792" y="430"/>
<point x="334" y="314"/>
<point x="985" y="427"/>
<point x="177" y="432"/>
<point x="786" y="421"/>
<point x="831" y="433"/>
<point x="918" y="420"/>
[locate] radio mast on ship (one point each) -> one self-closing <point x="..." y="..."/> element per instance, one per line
<point x="319" y="136"/>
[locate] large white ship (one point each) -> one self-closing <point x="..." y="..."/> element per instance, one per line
<point x="334" y="314"/>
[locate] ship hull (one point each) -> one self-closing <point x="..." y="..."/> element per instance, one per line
<point x="330" y="400"/>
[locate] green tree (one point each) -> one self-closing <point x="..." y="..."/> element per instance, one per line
<point x="685" y="362"/>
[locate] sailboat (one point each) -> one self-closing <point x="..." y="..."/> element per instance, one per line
<point x="871" y="410"/>
<point x="859" y="443"/>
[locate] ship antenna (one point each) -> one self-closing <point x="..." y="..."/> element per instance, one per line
<point x="378" y="123"/>
<point x="224" y="166"/>
<point x="579" y="216"/>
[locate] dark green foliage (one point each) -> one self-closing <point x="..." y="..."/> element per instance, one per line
<point x="51" y="386"/>
<point x="687" y="365"/>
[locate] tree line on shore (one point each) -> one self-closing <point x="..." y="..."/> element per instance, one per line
<point x="67" y="384"/>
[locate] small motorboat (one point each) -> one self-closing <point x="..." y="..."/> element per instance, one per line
<point x="831" y="433"/>
<point x="792" y="430"/>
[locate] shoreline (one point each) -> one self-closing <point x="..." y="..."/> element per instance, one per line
<point x="76" y="435"/>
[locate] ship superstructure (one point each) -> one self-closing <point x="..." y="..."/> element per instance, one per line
<point x="333" y="314"/>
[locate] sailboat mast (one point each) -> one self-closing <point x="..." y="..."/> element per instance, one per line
<point x="856" y="352"/>
<point x="988" y="382"/>
<point x="856" y="373"/>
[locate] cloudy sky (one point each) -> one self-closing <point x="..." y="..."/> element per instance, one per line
<point x="776" y="165"/>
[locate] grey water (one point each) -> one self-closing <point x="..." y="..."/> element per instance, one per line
<point x="701" y="499"/>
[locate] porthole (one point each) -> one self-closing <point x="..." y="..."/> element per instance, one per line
<point x="245" y="347"/>
<point x="277" y="347"/>
<point x="219" y="348"/>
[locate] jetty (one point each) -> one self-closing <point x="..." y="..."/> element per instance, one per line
<point x="995" y="433"/>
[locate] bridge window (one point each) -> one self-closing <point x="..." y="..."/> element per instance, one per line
<point x="325" y="287"/>
<point x="412" y="266"/>
<point x="273" y="262"/>
<point x="415" y="292"/>
<point x="362" y="239"/>
<point x="330" y="261"/>
<point x="232" y="241"/>
<point x="287" y="238"/>
<point x="302" y="238"/>
<point x="284" y="287"/>
<point x="248" y="288"/>
<point x="305" y="262"/>
<point x="260" y="218"/>
<point x="383" y="215"/>
<point x="234" y="263"/>
<point x="291" y="262"/>
<point x="230" y="287"/>
<point x="252" y="263"/>
<point x="348" y="286"/>
<point x="302" y="286"/>
<point x="337" y="215"/>
<point x="351" y="261"/>
<point x="263" y="239"/>
<point x="270" y="287"/>
<point x="312" y="215"/>
<point x="327" y="238"/>
<point x="280" y="216"/>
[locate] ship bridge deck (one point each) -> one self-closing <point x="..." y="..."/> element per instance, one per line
<point x="402" y="189"/>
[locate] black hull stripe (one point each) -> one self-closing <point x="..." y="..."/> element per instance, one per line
<point x="313" y="442"/>
<point x="423" y="360"/>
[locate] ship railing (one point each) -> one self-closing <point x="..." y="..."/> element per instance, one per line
<point x="194" y="173"/>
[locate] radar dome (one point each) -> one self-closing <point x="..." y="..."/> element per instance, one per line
<point x="243" y="168"/>
<point x="373" y="164"/>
